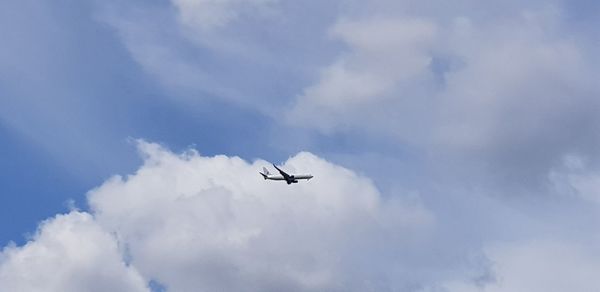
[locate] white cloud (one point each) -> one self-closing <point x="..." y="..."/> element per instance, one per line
<point x="191" y="222"/>
<point x="252" y="54"/>
<point x="387" y="56"/>
<point x="532" y="266"/>
<point x="212" y="223"/>
<point x="498" y="65"/>
<point x="576" y="178"/>
<point x="200" y="223"/>
<point x="510" y="94"/>
<point x="206" y="15"/>
<point x="507" y="88"/>
<point x="69" y="253"/>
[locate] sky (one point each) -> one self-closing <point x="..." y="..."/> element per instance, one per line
<point x="455" y="145"/>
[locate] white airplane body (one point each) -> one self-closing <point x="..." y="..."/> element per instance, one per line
<point x="290" y="179"/>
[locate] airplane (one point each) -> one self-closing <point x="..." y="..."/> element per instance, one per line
<point x="290" y="179"/>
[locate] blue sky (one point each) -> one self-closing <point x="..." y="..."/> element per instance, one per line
<point x="463" y="138"/>
<point x="72" y="100"/>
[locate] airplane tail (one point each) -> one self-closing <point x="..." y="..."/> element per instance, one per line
<point x="265" y="173"/>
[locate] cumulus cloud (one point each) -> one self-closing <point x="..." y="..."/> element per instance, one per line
<point x="195" y="223"/>
<point x="188" y="222"/>
<point x="70" y="252"/>
<point x="505" y="92"/>
<point x="211" y="223"/>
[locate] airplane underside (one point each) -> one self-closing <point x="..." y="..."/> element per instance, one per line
<point x="289" y="179"/>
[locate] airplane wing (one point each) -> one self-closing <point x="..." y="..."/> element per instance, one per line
<point x="285" y="175"/>
<point x="290" y="179"/>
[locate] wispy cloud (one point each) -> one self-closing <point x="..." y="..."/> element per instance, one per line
<point x="486" y="86"/>
<point x="70" y="252"/>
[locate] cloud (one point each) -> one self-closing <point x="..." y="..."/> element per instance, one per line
<point x="193" y="223"/>
<point x="206" y="15"/>
<point x="188" y="222"/>
<point x="55" y="92"/>
<point x="575" y="178"/>
<point x="386" y="54"/>
<point x="186" y="44"/>
<point x="508" y="95"/>
<point x="543" y="265"/>
<point x="474" y="92"/>
<point x="497" y="93"/>
<point x="243" y="53"/>
<point x="200" y="223"/>
<point x="70" y="252"/>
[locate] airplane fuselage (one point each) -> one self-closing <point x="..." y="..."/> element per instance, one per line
<point x="294" y="177"/>
<point x="284" y="176"/>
